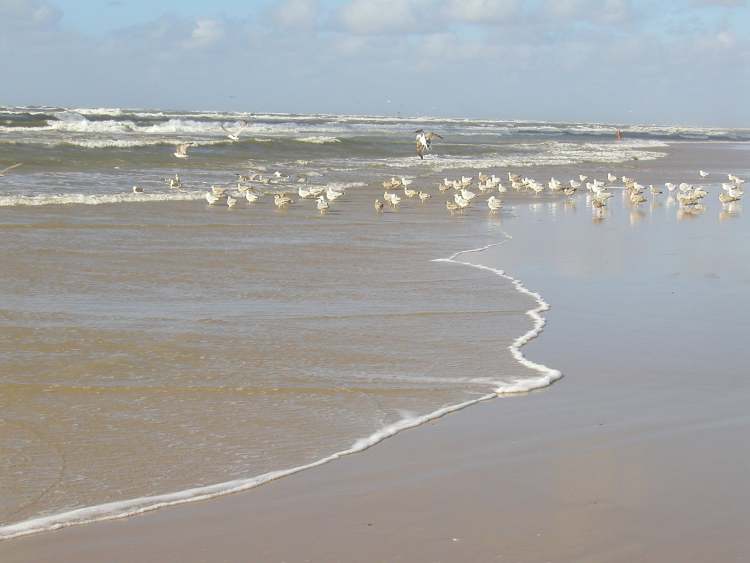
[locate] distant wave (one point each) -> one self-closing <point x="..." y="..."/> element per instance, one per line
<point x="555" y="153"/>
<point x="96" y="199"/>
<point x="318" y="139"/>
<point x="208" y="123"/>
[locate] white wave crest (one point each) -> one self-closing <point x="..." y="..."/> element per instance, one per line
<point x="96" y="199"/>
<point x="318" y="139"/>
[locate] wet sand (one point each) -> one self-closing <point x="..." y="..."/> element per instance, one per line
<point x="637" y="455"/>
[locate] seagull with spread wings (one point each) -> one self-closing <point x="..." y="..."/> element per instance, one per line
<point x="235" y="135"/>
<point x="424" y="141"/>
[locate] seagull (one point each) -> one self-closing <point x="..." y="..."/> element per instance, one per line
<point x="235" y="136"/>
<point x="494" y="204"/>
<point x="424" y="142"/>
<point x="423" y="196"/>
<point x="703" y="174"/>
<point x="251" y="197"/>
<point x="450" y="206"/>
<point x="303" y="193"/>
<point x="231" y="201"/>
<point x="137" y="190"/>
<point x="182" y="150"/>
<point x="378" y="205"/>
<point x="583" y="178"/>
<point x="212" y="198"/>
<point x="611" y="178"/>
<point x="332" y="194"/>
<point x="405" y="182"/>
<point x="281" y="200"/>
<point x="467" y="194"/>
<point x="218" y="190"/>
<point x="410" y="193"/>
<point x="322" y="204"/>
<point x="11" y="167"/>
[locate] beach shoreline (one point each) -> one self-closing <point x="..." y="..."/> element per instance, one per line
<point x="607" y="466"/>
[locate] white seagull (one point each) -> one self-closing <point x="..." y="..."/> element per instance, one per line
<point x="182" y="150"/>
<point x="424" y="141"/>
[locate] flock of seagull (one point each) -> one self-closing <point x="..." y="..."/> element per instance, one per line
<point x="689" y="196"/>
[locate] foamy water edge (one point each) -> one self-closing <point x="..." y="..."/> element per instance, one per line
<point x="123" y="509"/>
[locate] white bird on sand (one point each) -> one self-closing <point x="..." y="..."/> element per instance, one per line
<point x="281" y="200"/>
<point x="461" y="202"/>
<point x="137" y="190"/>
<point x="218" y="190"/>
<point x="467" y="194"/>
<point x="494" y="204"/>
<point x="251" y="196"/>
<point x="378" y="205"/>
<point x="703" y="174"/>
<point x="322" y="204"/>
<point x="231" y="201"/>
<point x="450" y="206"/>
<point x="317" y="190"/>
<point x="424" y="196"/>
<point x="405" y="182"/>
<point x="670" y="186"/>
<point x="9" y="168"/>
<point x="212" y="198"/>
<point x="575" y="184"/>
<point x="332" y="194"/>
<point x="611" y="178"/>
<point x="182" y="150"/>
<point x="394" y="200"/>
<point x="303" y="193"/>
<point x="554" y="185"/>
<point x="582" y="178"/>
<point x="737" y="181"/>
<point x="409" y="192"/>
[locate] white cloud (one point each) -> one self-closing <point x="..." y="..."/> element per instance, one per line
<point x="205" y="32"/>
<point x="297" y="13"/>
<point x="28" y="13"/>
<point x="481" y="11"/>
<point x="602" y="11"/>
<point x="385" y="16"/>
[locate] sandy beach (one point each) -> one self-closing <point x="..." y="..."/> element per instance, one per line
<point x="638" y="454"/>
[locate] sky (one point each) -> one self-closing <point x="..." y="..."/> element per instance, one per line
<point x="618" y="61"/>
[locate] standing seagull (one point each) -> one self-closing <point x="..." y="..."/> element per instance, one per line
<point x="11" y="167"/>
<point x="424" y="142"/>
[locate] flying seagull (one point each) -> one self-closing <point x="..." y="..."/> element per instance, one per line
<point x="424" y="141"/>
<point x="235" y="135"/>
<point x="4" y="170"/>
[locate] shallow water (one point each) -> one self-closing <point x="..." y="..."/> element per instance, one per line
<point x="149" y="347"/>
